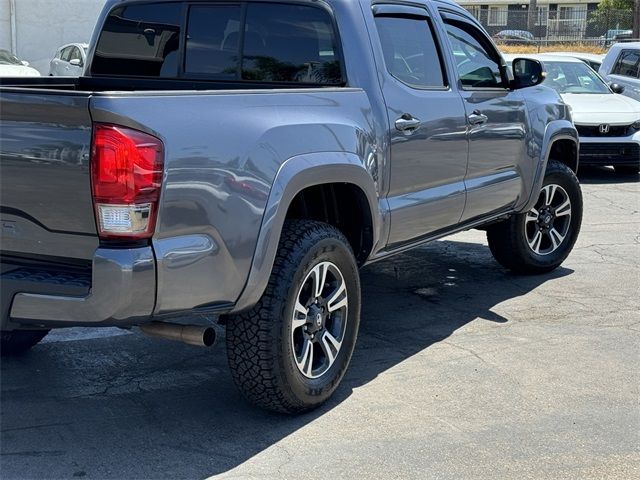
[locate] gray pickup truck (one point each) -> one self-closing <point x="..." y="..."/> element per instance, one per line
<point x="240" y="161"/>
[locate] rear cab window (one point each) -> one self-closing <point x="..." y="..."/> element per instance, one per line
<point x="140" y="40"/>
<point x="240" y="42"/>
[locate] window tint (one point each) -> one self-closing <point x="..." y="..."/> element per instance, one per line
<point x="282" y="43"/>
<point x="290" y="43"/>
<point x="627" y="64"/>
<point x="140" y="40"/>
<point x="477" y="66"/>
<point x="410" y="51"/>
<point x="213" y="40"/>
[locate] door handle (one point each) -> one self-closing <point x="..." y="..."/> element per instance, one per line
<point x="407" y="124"/>
<point x="477" y="118"/>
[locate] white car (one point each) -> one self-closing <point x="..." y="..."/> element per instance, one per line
<point x="608" y="123"/>
<point x="621" y="65"/>
<point x="12" y="66"/>
<point x="69" y="60"/>
<point x="594" y="60"/>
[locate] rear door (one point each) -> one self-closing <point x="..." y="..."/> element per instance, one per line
<point x="427" y="125"/>
<point x="496" y="117"/>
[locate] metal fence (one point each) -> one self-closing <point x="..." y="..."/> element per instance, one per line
<point x="554" y="23"/>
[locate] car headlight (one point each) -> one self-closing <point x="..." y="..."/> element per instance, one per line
<point x="636" y="125"/>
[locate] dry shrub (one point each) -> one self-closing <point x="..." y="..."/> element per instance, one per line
<point x="554" y="47"/>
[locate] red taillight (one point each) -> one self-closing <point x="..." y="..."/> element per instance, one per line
<point x="126" y="173"/>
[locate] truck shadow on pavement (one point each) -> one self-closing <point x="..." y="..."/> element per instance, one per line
<point x="129" y="407"/>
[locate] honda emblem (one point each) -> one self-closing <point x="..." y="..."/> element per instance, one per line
<point x="604" y="128"/>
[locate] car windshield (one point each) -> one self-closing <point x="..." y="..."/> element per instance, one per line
<point x="7" y="58"/>
<point x="573" y="77"/>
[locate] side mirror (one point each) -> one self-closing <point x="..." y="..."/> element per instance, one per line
<point x="527" y="73"/>
<point x="616" y="88"/>
<point x="76" y="62"/>
<point x="25" y="63"/>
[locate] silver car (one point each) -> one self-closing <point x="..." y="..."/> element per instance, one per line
<point x="622" y="66"/>
<point x="69" y="60"/>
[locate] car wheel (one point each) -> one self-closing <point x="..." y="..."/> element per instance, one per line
<point x="539" y="241"/>
<point x="290" y="352"/>
<point x="17" y="342"/>
<point x="627" y="169"/>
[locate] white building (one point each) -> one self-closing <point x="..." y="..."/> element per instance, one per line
<point x="34" y="29"/>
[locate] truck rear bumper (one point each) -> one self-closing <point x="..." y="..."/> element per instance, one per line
<point x="123" y="289"/>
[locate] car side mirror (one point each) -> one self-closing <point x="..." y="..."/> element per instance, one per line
<point x="527" y="73"/>
<point x="616" y="88"/>
<point x="25" y="63"/>
<point x="76" y="62"/>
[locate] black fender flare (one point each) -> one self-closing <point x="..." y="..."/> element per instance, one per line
<point x="294" y="175"/>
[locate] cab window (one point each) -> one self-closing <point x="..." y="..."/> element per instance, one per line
<point x="627" y="64"/>
<point x="232" y="41"/>
<point x="410" y="51"/>
<point x="477" y="64"/>
<point x="140" y="40"/>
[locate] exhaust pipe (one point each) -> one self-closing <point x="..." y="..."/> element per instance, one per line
<point x="189" y="334"/>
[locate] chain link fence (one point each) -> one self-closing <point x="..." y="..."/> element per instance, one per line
<point x="551" y="24"/>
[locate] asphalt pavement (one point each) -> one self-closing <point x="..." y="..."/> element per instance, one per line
<point x="462" y="371"/>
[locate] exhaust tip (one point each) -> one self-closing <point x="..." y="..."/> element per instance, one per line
<point x="209" y="337"/>
<point x="190" y="334"/>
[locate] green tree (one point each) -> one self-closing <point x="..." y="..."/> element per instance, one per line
<point x="612" y="15"/>
<point x="616" y="5"/>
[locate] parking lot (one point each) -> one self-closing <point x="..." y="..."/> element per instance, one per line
<point x="461" y="371"/>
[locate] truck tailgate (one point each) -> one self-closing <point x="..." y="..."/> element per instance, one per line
<point x="45" y="187"/>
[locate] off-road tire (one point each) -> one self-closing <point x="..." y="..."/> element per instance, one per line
<point x="508" y="239"/>
<point x="17" y="342"/>
<point x="260" y="352"/>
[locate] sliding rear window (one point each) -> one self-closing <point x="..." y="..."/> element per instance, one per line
<point x="253" y="42"/>
<point x="213" y="41"/>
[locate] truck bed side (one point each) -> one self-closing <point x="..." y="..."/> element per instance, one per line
<point x="223" y="151"/>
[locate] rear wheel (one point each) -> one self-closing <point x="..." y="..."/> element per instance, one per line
<point x="627" y="169"/>
<point x="290" y="351"/>
<point x="540" y="240"/>
<point x="17" y="342"/>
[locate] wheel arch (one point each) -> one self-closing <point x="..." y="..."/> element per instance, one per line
<point x="306" y="180"/>
<point x="560" y="143"/>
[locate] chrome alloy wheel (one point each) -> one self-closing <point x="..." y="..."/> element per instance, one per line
<point x="319" y="320"/>
<point x="547" y="224"/>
